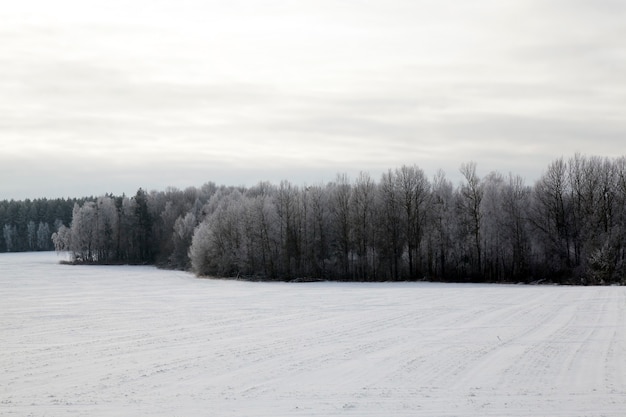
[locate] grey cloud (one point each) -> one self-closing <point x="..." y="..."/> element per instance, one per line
<point x="510" y="87"/>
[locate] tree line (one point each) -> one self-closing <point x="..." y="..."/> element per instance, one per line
<point x="569" y="227"/>
<point x="27" y="225"/>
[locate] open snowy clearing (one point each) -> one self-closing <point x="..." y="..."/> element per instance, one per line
<point x="137" y="341"/>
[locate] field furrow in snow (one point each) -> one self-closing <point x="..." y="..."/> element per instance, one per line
<point x="137" y="341"/>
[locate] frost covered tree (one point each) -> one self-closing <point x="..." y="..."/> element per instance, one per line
<point x="570" y="227"/>
<point x="183" y="232"/>
<point x="593" y="184"/>
<point x="107" y="229"/>
<point x="25" y="218"/>
<point x="363" y="203"/>
<point x="61" y="238"/>
<point x="515" y="203"/>
<point x="9" y="232"/>
<point x="319" y="218"/>
<point x="216" y="247"/>
<point x="552" y="220"/>
<point x="287" y="209"/>
<point x="43" y="236"/>
<point x="143" y="226"/>
<point x="83" y="233"/>
<point x="414" y="192"/>
<point x="263" y="231"/>
<point x="31" y="233"/>
<point x="443" y="249"/>
<point x="340" y="209"/>
<point x="93" y="233"/>
<point x="492" y="233"/>
<point x="618" y="235"/>
<point x="470" y="198"/>
<point x="391" y="240"/>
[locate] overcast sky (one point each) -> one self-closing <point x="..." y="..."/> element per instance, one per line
<point x="112" y="95"/>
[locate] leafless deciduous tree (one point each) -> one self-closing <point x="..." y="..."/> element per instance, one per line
<point x="570" y="226"/>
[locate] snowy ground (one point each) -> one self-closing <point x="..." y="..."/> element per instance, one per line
<point x="136" y="341"/>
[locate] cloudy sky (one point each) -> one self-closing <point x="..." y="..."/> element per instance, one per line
<point x="111" y="95"/>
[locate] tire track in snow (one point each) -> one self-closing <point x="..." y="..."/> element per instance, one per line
<point x="141" y="342"/>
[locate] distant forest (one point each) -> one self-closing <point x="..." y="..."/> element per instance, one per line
<point x="569" y="227"/>
<point x="28" y="225"/>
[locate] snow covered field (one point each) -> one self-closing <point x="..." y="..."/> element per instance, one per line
<point x="137" y="341"/>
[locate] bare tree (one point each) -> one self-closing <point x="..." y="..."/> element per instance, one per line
<point x="551" y="218"/>
<point x="471" y="196"/>
<point x="287" y="206"/>
<point x="442" y="226"/>
<point x="515" y="227"/>
<point x="341" y="192"/>
<point x="570" y="227"/>
<point x="414" y="191"/>
<point x="363" y="201"/>
<point x="391" y="237"/>
<point x="263" y="230"/>
<point x="319" y="229"/>
<point x="492" y="233"/>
